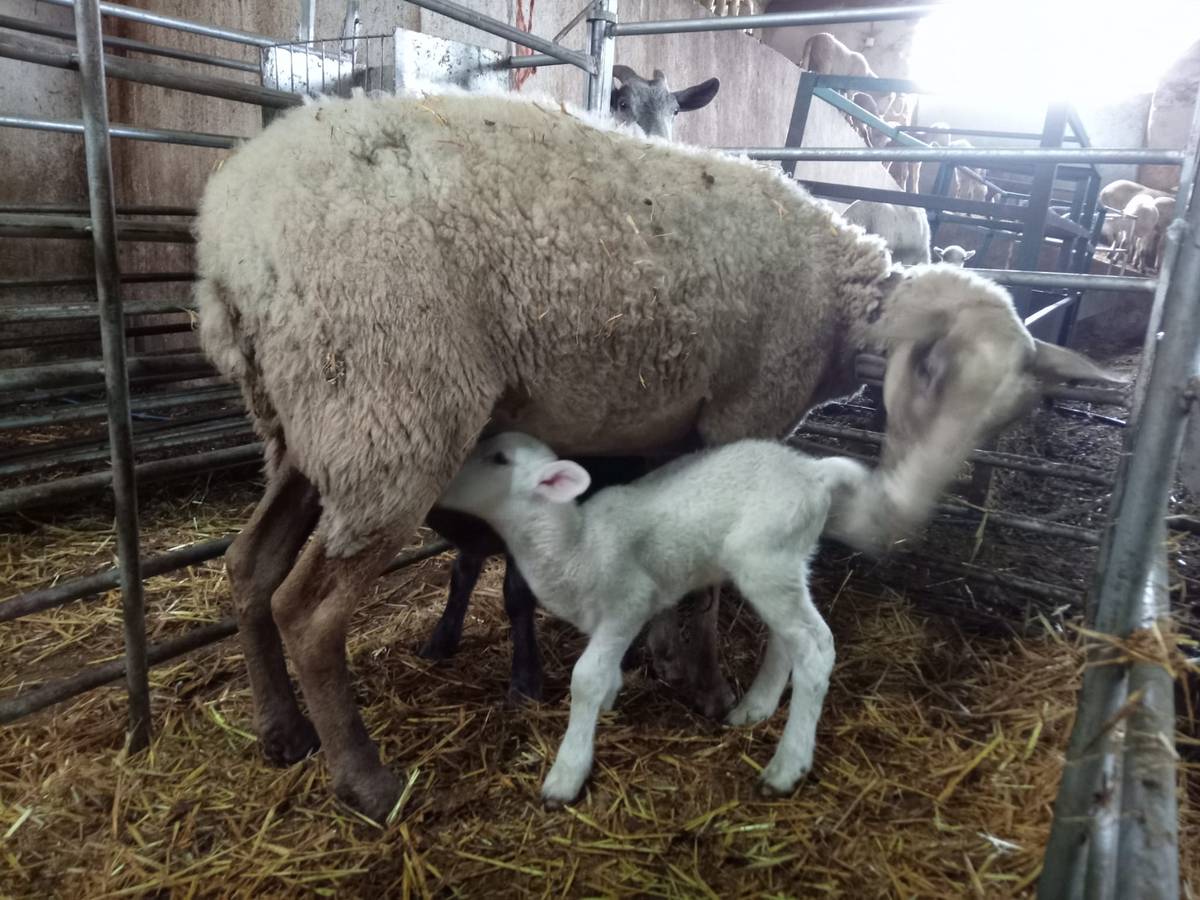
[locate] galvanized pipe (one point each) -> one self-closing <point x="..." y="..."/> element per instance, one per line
<point x="150" y="18"/>
<point x="48" y="53"/>
<point x="982" y="155"/>
<point x="1070" y="280"/>
<point x="203" y="377"/>
<point x="132" y="132"/>
<point x="94" y="102"/>
<point x="1021" y="523"/>
<point x="73" y="209"/>
<point x="774" y="20"/>
<point x="601" y="17"/>
<point x="87" y="337"/>
<point x="509" y="33"/>
<point x="66" y="488"/>
<point x="533" y="61"/>
<point x="119" y="43"/>
<point x="83" y="412"/>
<point x="27" y="702"/>
<point x="56" y="374"/>
<point x="24" y="225"/>
<point x="69" y="280"/>
<point x="43" y="312"/>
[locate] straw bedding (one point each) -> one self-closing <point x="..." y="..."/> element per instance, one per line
<point x="938" y="755"/>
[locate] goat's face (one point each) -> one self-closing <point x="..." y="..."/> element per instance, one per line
<point x="961" y="366"/>
<point x="652" y="105"/>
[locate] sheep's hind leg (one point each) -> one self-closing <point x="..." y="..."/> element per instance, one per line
<point x="761" y="701"/>
<point x="313" y="608"/>
<point x="257" y="562"/>
<point x="464" y="574"/>
<point x="787" y="609"/>
<point x="595" y="681"/>
<point x="521" y="606"/>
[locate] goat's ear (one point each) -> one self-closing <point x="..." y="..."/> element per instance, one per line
<point x="1054" y="363"/>
<point x="624" y="74"/>
<point x="561" y="481"/>
<point x="698" y="95"/>
<point x="970" y="253"/>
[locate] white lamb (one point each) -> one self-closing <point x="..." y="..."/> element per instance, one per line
<point x="750" y="512"/>
<point x="905" y="229"/>
<point x="953" y="255"/>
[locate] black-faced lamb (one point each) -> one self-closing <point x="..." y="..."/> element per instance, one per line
<point x="905" y="229"/>
<point x="651" y="104"/>
<point x="542" y="274"/>
<point x="750" y="512"/>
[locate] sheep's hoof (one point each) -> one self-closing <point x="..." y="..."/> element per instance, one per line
<point x="286" y="743"/>
<point x="774" y="783"/>
<point x="373" y="794"/>
<point x="524" y="689"/>
<point x="714" y="701"/>
<point x="437" y="649"/>
<point x="748" y="714"/>
<point x="559" y="790"/>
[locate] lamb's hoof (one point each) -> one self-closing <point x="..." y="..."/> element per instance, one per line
<point x="286" y="743"/>
<point x="715" y="701"/>
<point x="524" y="689"/>
<point x="778" y="782"/>
<point x="559" y="790"/>
<point x="748" y="713"/>
<point x="372" y="793"/>
<point x="437" y="650"/>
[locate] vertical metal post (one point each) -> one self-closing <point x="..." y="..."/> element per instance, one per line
<point x="795" y="134"/>
<point x="1034" y="232"/>
<point x="94" y="101"/>
<point x="308" y="20"/>
<point x="1097" y="827"/>
<point x="602" y="45"/>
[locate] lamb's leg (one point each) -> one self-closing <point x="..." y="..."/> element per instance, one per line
<point x="521" y="605"/>
<point x="808" y="643"/>
<point x="761" y="701"/>
<point x="257" y="562"/>
<point x="683" y="644"/>
<point x="312" y="608"/>
<point x="464" y="573"/>
<point x="595" y="680"/>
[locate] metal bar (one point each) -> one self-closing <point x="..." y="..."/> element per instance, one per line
<point x="83" y="412"/>
<point x="1050" y="310"/>
<point x="75" y="209"/>
<point x="905" y="198"/>
<point x="120" y="43"/>
<point x="94" y="102"/>
<point x="1070" y="280"/>
<point x="836" y="100"/>
<point x="1041" y="467"/>
<point x="149" y="18"/>
<point x="88" y="337"/>
<point x="503" y="29"/>
<point x="1004" y="580"/>
<point x="18" y="225"/>
<point x="206" y="378"/>
<point x="775" y="20"/>
<point x="532" y="61"/>
<point x="58" y="311"/>
<point x="1021" y="523"/>
<point x="68" y="280"/>
<point x="1037" y="209"/>
<point x="27" y="702"/>
<point x="600" y="19"/>
<point x="132" y="132"/>
<point x="1087" y="835"/>
<point x="69" y="488"/>
<point x="305" y="30"/>
<point x="990" y="155"/>
<point x="43" y="599"/>
<point x="799" y="121"/>
<point x="978" y="132"/>
<point x="48" y="53"/>
<point x="58" y="374"/>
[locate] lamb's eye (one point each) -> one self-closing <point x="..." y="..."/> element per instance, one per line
<point x="623" y="105"/>
<point x="499" y="458"/>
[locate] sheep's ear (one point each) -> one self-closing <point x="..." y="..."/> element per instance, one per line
<point x="625" y="75"/>
<point x="1054" y="363"/>
<point x="698" y="95"/>
<point x="938" y="251"/>
<point x="561" y="481"/>
<point x="970" y="253"/>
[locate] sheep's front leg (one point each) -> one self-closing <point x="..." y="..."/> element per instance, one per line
<point x="595" y="681"/>
<point x="464" y="574"/>
<point x="521" y="606"/>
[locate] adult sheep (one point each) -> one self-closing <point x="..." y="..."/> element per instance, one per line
<point x="540" y="274"/>
<point x="905" y="229"/>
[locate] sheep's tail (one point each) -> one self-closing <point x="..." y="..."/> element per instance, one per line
<point x="232" y="352"/>
<point x="842" y="474"/>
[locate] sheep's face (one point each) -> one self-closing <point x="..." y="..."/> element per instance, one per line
<point x="652" y="105"/>
<point x="961" y="366"/>
<point x="511" y="469"/>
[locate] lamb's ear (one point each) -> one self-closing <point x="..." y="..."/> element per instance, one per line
<point x="626" y="75"/>
<point x="561" y="481"/>
<point x="698" y="95"/>
<point x="938" y="251"/>
<point x="970" y="253"/>
<point x="1054" y="363"/>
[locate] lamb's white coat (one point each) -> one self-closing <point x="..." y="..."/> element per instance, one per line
<point x="750" y="512"/>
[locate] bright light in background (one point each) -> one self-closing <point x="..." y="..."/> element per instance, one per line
<point x="1023" y="51"/>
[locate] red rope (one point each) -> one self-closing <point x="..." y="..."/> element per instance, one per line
<point x="520" y="76"/>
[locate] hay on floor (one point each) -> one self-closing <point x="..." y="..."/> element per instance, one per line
<point x="937" y="762"/>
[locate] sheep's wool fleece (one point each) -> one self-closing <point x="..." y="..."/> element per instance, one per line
<point x="383" y="277"/>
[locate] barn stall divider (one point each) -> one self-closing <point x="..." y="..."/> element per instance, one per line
<point x="1115" y="826"/>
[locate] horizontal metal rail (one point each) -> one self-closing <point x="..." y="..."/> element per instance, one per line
<point x="50" y="337"/>
<point x="72" y="209"/>
<point x="972" y="516"/>
<point x="46" y="311"/>
<point x="69" y="280"/>
<point x="1070" y="281"/>
<point x="533" y="61"/>
<point x="30" y="701"/>
<point x="1004" y="580"/>
<point x="24" y="225"/>
<point x="203" y="376"/>
<point x="119" y="43"/>
<point x="502" y="29"/>
<point x="69" y="488"/>
<point x="49" y="53"/>
<point x="773" y="20"/>
<point x="1042" y="467"/>
<point x="979" y="132"/>
<point x="82" y="412"/>
<point x="836" y="191"/>
<point x="65" y="373"/>
<point x="978" y="155"/>
<point x="132" y="14"/>
<point x="131" y="132"/>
